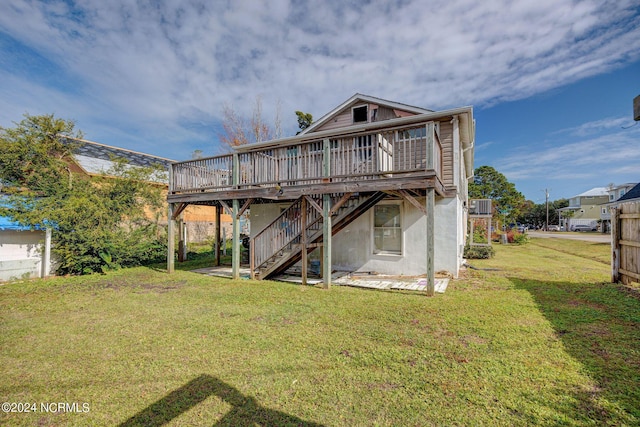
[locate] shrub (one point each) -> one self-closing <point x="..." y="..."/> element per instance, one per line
<point x="478" y="252"/>
<point x="480" y="234"/>
<point x="99" y="223"/>
<point x="520" y="238"/>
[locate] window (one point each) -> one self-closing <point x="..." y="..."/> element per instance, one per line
<point x="318" y="146"/>
<point x="387" y="229"/>
<point x="611" y="197"/>
<point x="360" y="114"/>
<point x="415" y="133"/>
<point x="363" y="145"/>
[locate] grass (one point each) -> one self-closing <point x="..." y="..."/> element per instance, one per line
<point x="538" y="338"/>
<point x="600" y="252"/>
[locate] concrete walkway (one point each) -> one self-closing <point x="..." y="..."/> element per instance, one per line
<point x="344" y="278"/>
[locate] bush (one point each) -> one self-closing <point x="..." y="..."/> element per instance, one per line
<point x="480" y="234"/>
<point x="478" y="252"/>
<point x="97" y="223"/>
<point x="520" y="238"/>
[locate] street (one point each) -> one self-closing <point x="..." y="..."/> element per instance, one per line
<point x="588" y="236"/>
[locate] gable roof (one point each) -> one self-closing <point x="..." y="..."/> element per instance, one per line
<point x="359" y="98"/>
<point x="634" y="193"/>
<point x="594" y="192"/>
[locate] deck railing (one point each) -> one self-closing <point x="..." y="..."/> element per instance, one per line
<point x="364" y="155"/>
<point x="284" y="232"/>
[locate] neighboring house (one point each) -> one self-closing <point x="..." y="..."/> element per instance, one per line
<point x="94" y="159"/>
<point x="633" y="195"/>
<point x="584" y="209"/>
<point x="24" y="253"/>
<point x="615" y="193"/>
<point x="378" y="186"/>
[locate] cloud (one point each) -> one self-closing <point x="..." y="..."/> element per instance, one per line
<point x="158" y="69"/>
<point x="612" y="155"/>
<point x="597" y="126"/>
<point x="484" y="145"/>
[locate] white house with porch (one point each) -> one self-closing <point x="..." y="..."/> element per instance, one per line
<point x="372" y="186"/>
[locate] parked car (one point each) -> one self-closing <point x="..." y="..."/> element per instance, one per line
<point x="554" y="228"/>
<point x="584" y="227"/>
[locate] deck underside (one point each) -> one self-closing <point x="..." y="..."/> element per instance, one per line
<point x="416" y="183"/>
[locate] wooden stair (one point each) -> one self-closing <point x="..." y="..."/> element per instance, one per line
<point x="278" y="246"/>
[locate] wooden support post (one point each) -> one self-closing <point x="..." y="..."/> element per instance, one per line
<point x="431" y="204"/>
<point x="326" y="238"/>
<point x="430" y="146"/>
<point x="326" y="220"/>
<point x="171" y="239"/>
<point x="235" y="242"/>
<point x="615" y="245"/>
<point x="217" y="235"/>
<point x="170" y="231"/>
<point x="252" y="259"/>
<point x="303" y="239"/>
<point x="182" y="241"/>
<point x="235" y="249"/>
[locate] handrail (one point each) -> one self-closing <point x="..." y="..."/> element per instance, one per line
<point x="361" y="155"/>
<point x="281" y="233"/>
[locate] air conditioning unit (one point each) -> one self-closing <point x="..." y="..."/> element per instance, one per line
<point x="473" y="207"/>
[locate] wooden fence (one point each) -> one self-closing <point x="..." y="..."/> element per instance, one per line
<point x="625" y="243"/>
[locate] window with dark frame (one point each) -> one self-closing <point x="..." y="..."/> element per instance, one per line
<point x="360" y="114"/>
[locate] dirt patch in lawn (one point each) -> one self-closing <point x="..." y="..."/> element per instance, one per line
<point x="124" y="283"/>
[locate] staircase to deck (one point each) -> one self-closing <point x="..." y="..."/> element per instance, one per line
<point x="280" y="244"/>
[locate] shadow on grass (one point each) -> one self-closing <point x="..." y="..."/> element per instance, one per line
<point x="599" y="326"/>
<point x="245" y="411"/>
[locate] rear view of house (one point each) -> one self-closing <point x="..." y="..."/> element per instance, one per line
<point x="372" y="186"/>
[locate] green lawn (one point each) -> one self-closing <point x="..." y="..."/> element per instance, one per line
<point x="538" y="336"/>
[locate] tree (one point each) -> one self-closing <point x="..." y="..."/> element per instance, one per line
<point x="304" y="120"/>
<point x="488" y="183"/>
<point x="536" y="214"/>
<point x="96" y="224"/>
<point x="239" y="131"/>
<point x="33" y="156"/>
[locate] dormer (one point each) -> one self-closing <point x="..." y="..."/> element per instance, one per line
<point x="362" y="109"/>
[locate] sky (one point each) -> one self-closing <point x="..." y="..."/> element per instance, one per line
<point x="551" y="82"/>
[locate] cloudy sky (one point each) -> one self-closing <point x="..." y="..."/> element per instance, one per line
<point x="551" y="81"/>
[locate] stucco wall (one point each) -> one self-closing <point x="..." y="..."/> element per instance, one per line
<point x="352" y="248"/>
<point x="263" y="214"/>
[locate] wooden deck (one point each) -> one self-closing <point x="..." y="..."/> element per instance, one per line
<point x="343" y="160"/>
<point x="324" y="172"/>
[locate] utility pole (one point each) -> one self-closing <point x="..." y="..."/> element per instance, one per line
<point x="546" y="193"/>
